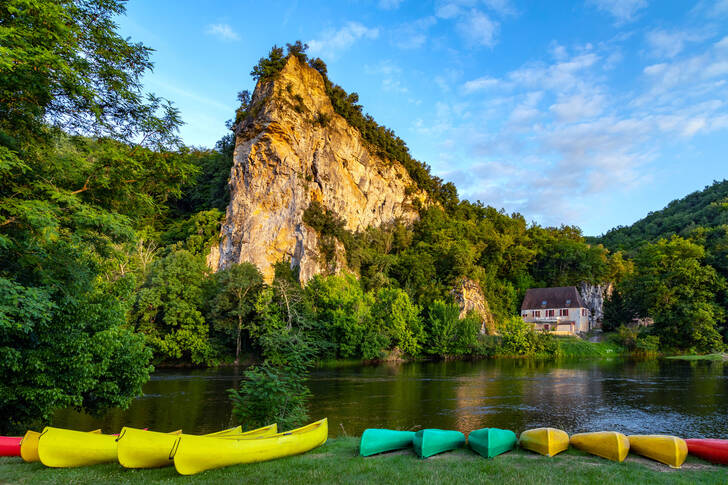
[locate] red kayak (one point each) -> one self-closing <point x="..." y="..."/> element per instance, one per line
<point x="711" y="450"/>
<point x="10" y="445"/>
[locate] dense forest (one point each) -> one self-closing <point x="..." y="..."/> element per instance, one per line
<point x="680" y="255"/>
<point x="106" y="218"/>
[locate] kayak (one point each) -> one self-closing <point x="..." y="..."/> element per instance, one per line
<point x="607" y="444"/>
<point x="428" y="442"/>
<point x="138" y="448"/>
<point x="375" y="440"/>
<point x="669" y="450"/>
<point x="491" y="442"/>
<point x="711" y="450"/>
<point x="29" y="447"/>
<point x="10" y="445"/>
<point x="547" y="441"/>
<point x="195" y="454"/>
<point x="65" y="448"/>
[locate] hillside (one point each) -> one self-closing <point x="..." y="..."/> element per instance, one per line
<point x="707" y="208"/>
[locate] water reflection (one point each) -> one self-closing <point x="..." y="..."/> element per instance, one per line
<point x="654" y="396"/>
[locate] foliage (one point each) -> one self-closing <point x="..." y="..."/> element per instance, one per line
<point x="233" y="301"/>
<point x="519" y="338"/>
<point x="168" y="308"/>
<point x="637" y="340"/>
<point x="447" y="333"/>
<point x="399" y="319"/>
<point x="672" y="285"/>
<point x="195" y="234"/>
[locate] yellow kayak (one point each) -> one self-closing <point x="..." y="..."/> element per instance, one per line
<point x="195" y="454"/>
<point x="139" y="448"/>
<point x="607" y="444"/>
<point x="669" y="450"/>
<point x="64" y="448"/>
<point x="547" y="441"/>
<point x="29" y="447"/>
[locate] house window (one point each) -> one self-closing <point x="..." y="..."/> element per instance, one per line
<point x="568" y="302"/>
<point x="549" y="313"/>
<point x="525" y="314"/>
<point x="564" y="312"/>
<point x="543" y="303"/>
<point x="583" y="312"/>
<point x="536" y="313"/>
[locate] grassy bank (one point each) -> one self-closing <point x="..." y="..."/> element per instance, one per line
<point x="576" y="347"/>
<point x="337" y="462"/>
<point x="712" y="357"/>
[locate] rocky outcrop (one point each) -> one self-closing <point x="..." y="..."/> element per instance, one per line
<point x="294" y="149"/>
<point x="593" y="297"/>
<point x="468" y="294"/>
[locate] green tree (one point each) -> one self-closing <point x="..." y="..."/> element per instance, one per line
<point x="233" y="304"/>
<point x="399" y="318"/>
<point x="448" y="334"/>
<point x="673" y="286"/>
<point x="168" y="309"/>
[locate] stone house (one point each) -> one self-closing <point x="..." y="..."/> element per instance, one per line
<point x="558" y="310"/>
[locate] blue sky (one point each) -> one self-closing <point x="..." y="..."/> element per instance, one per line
<point x="587" y="112"/>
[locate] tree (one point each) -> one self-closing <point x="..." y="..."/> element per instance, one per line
<point x="673" y="286"/>
<point x="448" y="334"/>
<point x="399" y="318"/>
<point x="82" y="150"/>
<point x="168" y="310"/>
<point x="234" y="302"/>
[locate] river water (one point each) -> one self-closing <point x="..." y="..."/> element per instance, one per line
<point x="688" y="399"/>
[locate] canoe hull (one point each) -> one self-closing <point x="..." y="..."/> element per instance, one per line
<point x="376" y="440"/>
<point x="607" y="444"/>
<point x="65" y="448"/>
<point x="546" y="441"/>
<point x="491" y="442"/>
<point x="195" y="454"/>
<point x="10" y="445"/>
<point x="669" y="450"/>
<point x="29" y="447"/>
<point x="715" y="451"/>
<point x="428" y="442"/>
<point x="150" y="449"/>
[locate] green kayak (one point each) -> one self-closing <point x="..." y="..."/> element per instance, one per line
<point x="375" y="441"/>
<point x="430" y="442"/>
<point x="490" y="442"/>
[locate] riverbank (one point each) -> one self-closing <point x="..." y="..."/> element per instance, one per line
<point x="337" y="462"/>
<point x="710" y="357"/>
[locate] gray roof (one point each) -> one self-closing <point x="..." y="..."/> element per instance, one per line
<point x="560" y="297"/>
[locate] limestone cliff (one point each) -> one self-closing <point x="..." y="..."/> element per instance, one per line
<point x="468" y="294"/>
<point x="593" y="297"/>
<point x="294" y="149"/>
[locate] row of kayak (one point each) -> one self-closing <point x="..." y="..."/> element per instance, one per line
<point x="140" y="448"/>
<point x="491" y="442"/>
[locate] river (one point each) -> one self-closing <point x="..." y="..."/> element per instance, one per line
<point x="688" y="399"/>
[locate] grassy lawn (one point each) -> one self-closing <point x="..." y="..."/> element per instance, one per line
<point x="337" y="462"/>
<point x="576" y="347"/>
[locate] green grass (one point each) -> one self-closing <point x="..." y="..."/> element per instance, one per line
<point x="576" y="347"/>
<point x="337" y="462"/>
<point x="713" y="357"/>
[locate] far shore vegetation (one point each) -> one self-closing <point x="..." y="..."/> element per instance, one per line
<point x="106" y="218"/>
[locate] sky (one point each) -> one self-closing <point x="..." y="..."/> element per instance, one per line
<point x="585" y="112"/>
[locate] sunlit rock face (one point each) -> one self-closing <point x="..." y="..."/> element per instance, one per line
<point x="469" y="296"/>
<point x="294" y="149"/>
<point x="593" y="297"/>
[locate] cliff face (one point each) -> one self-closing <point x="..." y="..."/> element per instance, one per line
<point x="294" y="149"/>
<point x="593" y="297"/>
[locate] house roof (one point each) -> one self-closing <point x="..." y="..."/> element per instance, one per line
<point x="560" y="297"/>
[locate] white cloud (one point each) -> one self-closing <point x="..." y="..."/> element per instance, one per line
<point x="389" y="4"/>
<point x="623" y="11"/>
<point x="578" y="107"/>
<point x="502" y="7"/>
<point x="485" y="82"/>
<point x="333" y="42"/>
<point x="478" y="29"/>
<point x="223" y="32"/>
<point x="413" y="35"/>
<point x="669" y="44"/>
